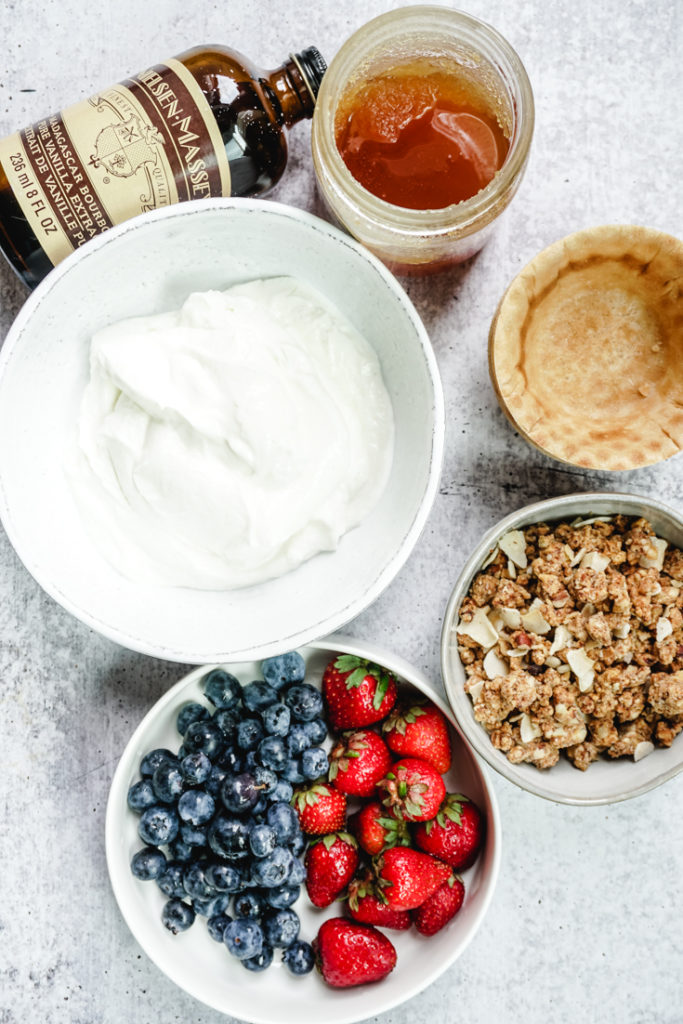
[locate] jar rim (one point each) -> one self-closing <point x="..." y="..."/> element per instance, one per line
<point x="436" y="22"/>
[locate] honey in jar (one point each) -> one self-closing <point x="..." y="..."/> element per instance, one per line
<point x="420" y="135"/>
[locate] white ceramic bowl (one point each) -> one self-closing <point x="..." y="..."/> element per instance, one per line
<point x="152" y="264"/>
<point x="604" y="781"/>
<point x="204" y="969"/>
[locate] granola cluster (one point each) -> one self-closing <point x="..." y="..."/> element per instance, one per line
<point x="572" y="639"/>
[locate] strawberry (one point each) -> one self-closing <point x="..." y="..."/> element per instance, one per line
<point x="365" y="906"/>
<point x="330" y="864"/>
<point x="456" y="833"/>
<point x="356" y="692"/>
<point x="413" y="789"/>
<point x="438" y="909"/>
<point x="358" y="761"/>
<point x="407" y="878"/>
<point x="348" y="953"/>
<point x="321" y="809"/>
<point x="419" y="730"/>
<point x="377" y="829"/>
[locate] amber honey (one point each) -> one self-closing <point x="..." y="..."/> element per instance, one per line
<point x="420" y="136"/>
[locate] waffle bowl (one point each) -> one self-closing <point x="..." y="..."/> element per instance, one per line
<point x="586" y="348"/>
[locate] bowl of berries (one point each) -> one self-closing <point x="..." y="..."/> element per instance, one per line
<point x="314" y="819"/>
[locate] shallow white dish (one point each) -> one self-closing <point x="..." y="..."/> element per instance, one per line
<point x="605" y="781"/>
<point x="204" y="969"/>
<point x="152" y="264"/>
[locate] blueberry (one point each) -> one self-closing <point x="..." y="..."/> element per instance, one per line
<point x="224" y="877"/>
<point x="205" y="736"/>
<point x="261" y="961"/>
<point x="190" y="713"/>
<point x="215" y="781"/>
<point x="192" y="835"/>
<point x="141" y="796"/>
<point x="257" y="696"/>
<point x="230" y="759"/>
<point x="262" y="840"/>
<point x="171" y="880"/>
<point x="281" y="896"/>
<point x="229" y="838"/>
<point x="195" y="881"/>
<point x="281" y="928"/>
<point x="158" y="825"/>
<point x="243" y="938"/>
<point x="273" y="869"/>
<point x="283" y="792"/>
<point x="248" y="904"/>
<point x="226" y="719"/>
<point x="151" y="761"/>
<point x="211" y="906"/>
<point x="250" y="761"/>
<point x="276" y="719"/>
<point x="314" y="763"/>
<point x="298" y="871"/>
<point x="272" y="753"/>
<point x="239" y="793"/>
<point x="249" y="733"/>
<point x="216" y="925"/>
<point x="298" y="844"/>
<point x="168" y="782"/>
<point x="284" y="820"/>
<point x="316" y="730"/>
<point x="177" y="916"/>
<point x="222" y="689"/>
<point x="291" y="771"/>
<point x="196" y="768"/>
<point x="297" y="739"/>
<point x="283" y="669"/>
<point x="304" y="701"/>
<point x="148" y="863"/>
<point x="196" y="807"/>
<point x="299" y="957"/>
<point x="266" y="779"/>
<point x="181" y="851"/>
<point x="259" y="809"/>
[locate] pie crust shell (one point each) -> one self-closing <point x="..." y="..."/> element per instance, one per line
<point x="586" y="348"/>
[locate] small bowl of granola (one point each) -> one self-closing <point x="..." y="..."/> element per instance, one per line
<point x="562" y="647"/>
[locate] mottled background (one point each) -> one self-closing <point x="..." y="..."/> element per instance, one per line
<point x="585" y="923"/>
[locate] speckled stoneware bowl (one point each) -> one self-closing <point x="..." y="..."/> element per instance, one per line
<point x="151" y="264"/>
<point x="605" y="781"/>
<point x="204" y="968"/>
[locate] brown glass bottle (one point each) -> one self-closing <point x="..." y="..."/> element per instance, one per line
<point x="204" y="124"/>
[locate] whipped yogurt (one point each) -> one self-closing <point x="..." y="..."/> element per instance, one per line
<point x="224" y="444"/>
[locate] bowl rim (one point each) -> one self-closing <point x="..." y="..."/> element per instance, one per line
<point x="549" y="509"/>
<point x="342" y="644"/>
<point x="393" y="565"/>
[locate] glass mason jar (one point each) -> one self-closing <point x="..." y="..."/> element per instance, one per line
<point x="413" y="241"/>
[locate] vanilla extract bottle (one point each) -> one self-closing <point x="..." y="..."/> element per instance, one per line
<point x="206" y="123"/>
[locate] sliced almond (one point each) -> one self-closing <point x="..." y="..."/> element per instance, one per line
<point x="628" y="658"/>
<point x="594" y="519"/>
<point x="594" y="560"/>
<point x="491" y="557"/>
<point x="533" y="621"/>
<point x="494" y="665"/>
<point x="642" y="750"/>
<point x="514" y="546"/>
<point x="496" y="619"/>
<point x="580" y="664"/>
<point x="561" y="639"/>
<point x="588" y="610"/>
<point x="475" y="691"/>
<point x="622" y="630"/>
<point x="512" y="617"/>
<point x="528" y="730"/>
<point x="586" y="681"/>
<point x="658" y="561"/>
<point x="664" y="629"/>
<point x="479" y="629"/>
<point x="512" y="572"/>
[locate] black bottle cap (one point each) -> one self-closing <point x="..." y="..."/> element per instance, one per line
<point x="312" y="66"/>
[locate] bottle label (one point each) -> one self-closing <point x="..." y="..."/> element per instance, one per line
<point x="148" y="142"/>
